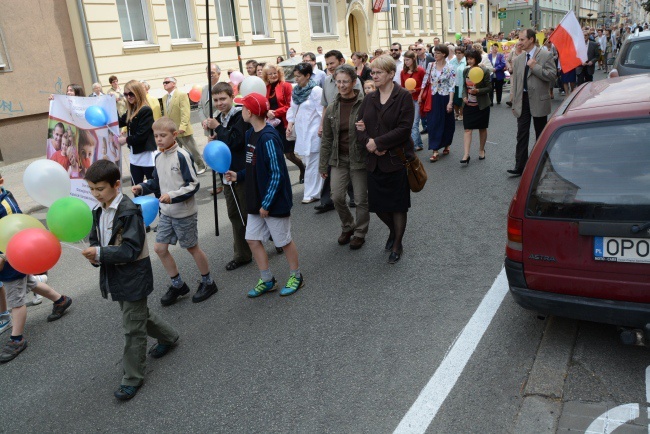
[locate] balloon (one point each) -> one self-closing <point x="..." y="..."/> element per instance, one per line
<point x="46" y="181"/>
<point x="69" y="219"/>
<point x="33" y="251"/>
<point x="150" y="206"/>
<point x="14" y="223"/>
<point x="96" y="116"/>
<point x="475" y="74"/>
<point x="252" y="84"/>
<point x="459" y="36"/>
<point x="195" y="94"/>
<point x="410" y="84"/>
<point x="236" y="77"/>
<point x="217" y="155"/>
<point x="349" y="62"/>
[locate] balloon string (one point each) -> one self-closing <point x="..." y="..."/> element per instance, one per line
<point x="237" y="203"/>
<point x="72" y="247"/>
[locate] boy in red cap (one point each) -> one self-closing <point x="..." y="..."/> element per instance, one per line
<point x="268" y="196"/>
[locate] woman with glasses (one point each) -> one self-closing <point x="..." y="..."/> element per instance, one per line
<point x="476" y="97"/>
<point x="278" y="92"/>
<point x="305" y="114"/>
<point x="459" y="63"/>
<point x="138" y="120"/>
<point x="116" y="93"/>
<point x="411" y="70"/>
<point x="384" y="124"/>
<point x="440" y="120"/>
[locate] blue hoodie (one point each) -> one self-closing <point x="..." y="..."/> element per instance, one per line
<point x="8" y="205"/>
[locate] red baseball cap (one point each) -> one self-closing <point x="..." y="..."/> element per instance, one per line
<point x="256" y="103"/>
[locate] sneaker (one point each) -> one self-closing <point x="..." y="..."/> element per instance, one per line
<point x="263" y="287"/>
<point x="125" y="393"/>
<point x="35" y="301"/>
<point x="173" y="293"/>
<point x="158" y="350"/>
<point x="204" y="292"/>
<point x="200" y="171"/>
<point x="41" y="278"/>
<point x="5" y="323"/>
<point x="11" y="350"/>
<point x="59" y="309"/>
<point x="293" y="284"/>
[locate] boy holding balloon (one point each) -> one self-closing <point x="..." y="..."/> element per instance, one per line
<point x="118" y="246"/>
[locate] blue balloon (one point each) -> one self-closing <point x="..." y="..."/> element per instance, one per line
<point x="150" y="206"/>
<point x="217" y="155"/>
<point x="96" y="116"/>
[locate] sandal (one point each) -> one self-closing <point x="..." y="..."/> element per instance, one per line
<point x="233" y="265"/>
<point x="433" y="158"/>
<point x="445" y="152"/>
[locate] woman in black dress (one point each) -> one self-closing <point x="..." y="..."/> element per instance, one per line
<point x="476" y="112"/>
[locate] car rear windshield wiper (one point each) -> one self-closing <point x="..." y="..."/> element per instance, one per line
<point x="636" y="228"/>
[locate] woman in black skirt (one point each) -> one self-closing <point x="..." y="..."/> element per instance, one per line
<point x="476" y="113"/>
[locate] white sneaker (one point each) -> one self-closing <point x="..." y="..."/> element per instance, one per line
<point x="37" y="300"/>
<point x="200" y="171"/>
<point x="5" y="323"/>
<point x="41" y="278"/>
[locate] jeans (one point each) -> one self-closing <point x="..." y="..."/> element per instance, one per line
<point x="415" y="129"/>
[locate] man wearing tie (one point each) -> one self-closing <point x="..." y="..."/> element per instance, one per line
<point x="531" y="78"/>
<point x="177" y="107"/>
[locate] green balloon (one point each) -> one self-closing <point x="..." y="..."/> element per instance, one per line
<point x="70" y="219"/>
<point x="458" y="36"/>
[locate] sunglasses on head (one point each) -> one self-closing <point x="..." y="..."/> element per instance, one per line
<point x="129" y="94"/>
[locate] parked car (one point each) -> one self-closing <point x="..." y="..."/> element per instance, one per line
<point x="633" y="57"/>
<point x="578" y="242"/>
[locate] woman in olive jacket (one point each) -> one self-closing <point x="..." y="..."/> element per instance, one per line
<point x="138" y="120"/>
<point x="384" y="126"/>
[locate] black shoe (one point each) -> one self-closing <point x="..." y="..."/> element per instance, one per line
<point x="158" y="350"/>
<point x="59" y="309"/>
<point x="389" y="243"/>
<point x="509" y="104"/>
<point x="515" y="172"/>
<point x="124" y="393"/>
<point x="173" y="293"/>
<point x="394" y="257"/>
<point x="465" y="161"/>
<point x="204" y="292"/>
<point x="320" y="209"/>
<point x="279" y="250"/>
<point x="233" y="265"/>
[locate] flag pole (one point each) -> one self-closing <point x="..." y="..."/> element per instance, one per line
<point x="209" y="69"/>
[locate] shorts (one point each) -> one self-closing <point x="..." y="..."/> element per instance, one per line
<point x="17" y="290"/>
<point x="184" y="230"/>
<point x="262" y="230"/>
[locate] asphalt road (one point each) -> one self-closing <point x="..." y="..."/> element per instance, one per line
<point x="350" y="352"/>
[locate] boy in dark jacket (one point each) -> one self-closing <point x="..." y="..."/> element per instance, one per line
<point x="268" y="196"/>
<point x="118" y="246"/>
<point x="16" y="286"/>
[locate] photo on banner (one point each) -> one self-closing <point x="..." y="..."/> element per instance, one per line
<point x="76" y="144"/>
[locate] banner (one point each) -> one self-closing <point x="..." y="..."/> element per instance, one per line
<point x="506" y="47"/>
<point x="75" y="144"/>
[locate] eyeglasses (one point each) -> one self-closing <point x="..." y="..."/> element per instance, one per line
<point x="376" y="72"/>
<point x="394" y="49"/>
<point x="419" y="49"/>
<point x="167" y="82"/>
<point x="344" y="82"/>
<point x="129" y="94"/>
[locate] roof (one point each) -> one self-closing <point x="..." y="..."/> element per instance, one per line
<point x="629" y="94"/>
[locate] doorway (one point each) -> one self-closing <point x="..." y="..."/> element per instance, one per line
<point x="353" y="27"/>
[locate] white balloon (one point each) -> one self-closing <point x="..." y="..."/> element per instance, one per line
<point x="46" y="181"/>
<point x="252" y="84"/>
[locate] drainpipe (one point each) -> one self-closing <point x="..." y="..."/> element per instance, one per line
<point x="284" y="28"/>
<point x="87" y="46"/>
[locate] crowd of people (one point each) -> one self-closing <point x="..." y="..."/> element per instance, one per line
<point x="347" y="127"/>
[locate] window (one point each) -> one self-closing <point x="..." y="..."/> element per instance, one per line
<point x="179" y="19"/>
<point x="407" y="14"/>
<point x="432" y="18"/>
<point x="393" y="16"/>
<point x="258" y="18"/>
<point x="420" y="9"/>
<point x="463" y="19"/>
<point x="637" y="55"/>
<point x="225" y="17"/>
<point x="320" y="17"/>
<point x="472" y="22"/>
<point x="573" y="182"/>
<point x="133" y="21"/>
<point x="482" y="12"/>
<point x="451" y="26"/>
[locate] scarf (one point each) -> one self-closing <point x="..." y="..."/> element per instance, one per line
<point x="300" y="94"/>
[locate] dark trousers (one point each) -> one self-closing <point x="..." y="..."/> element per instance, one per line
<point x="242" y="252"/>
<point x="497" y="85"/>
<point x="139" y="172"/>
<point x="584" y="76"/>
<point x="523" y="132"/>
<point x="326" y="192"/>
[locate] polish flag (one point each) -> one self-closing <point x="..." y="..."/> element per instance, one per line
<point x="570" y="42"/>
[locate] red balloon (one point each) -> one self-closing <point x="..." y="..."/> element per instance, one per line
<point x="33" y="251"/>
<point x="195" y="94"/>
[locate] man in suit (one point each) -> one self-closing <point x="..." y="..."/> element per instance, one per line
<point x="204" y="111"/>
<point x="532" y="73"/>
<point x="586" y="71"/>
<point x="177" y="107"/>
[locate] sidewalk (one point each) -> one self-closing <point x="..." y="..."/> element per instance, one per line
<point x="13" y="173"/>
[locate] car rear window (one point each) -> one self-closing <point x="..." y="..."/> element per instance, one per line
<point x="594" y="172"/>
<point x="638" y="55"/>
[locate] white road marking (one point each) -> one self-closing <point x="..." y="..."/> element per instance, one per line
<point x="607" y="422"/>
<point x="426" y="406"/>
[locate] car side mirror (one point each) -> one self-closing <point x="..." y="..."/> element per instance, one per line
<point x="610" y="61"/>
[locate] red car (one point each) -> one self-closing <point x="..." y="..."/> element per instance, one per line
<point x="579" y="224"/>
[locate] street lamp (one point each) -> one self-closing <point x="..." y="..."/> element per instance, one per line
<point x="468" y="4"/>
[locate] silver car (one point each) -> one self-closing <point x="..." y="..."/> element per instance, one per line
<point x="634" y="56"/>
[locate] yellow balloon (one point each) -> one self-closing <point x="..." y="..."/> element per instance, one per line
<point x="475" y="74"/>
<point x="14" y="223"/>
<point x="349" y="62"/>
<point x="410" y="84"/>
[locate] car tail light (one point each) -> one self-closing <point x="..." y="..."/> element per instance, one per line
<point x="613" y="73"/>
<point x="515" y="245"/>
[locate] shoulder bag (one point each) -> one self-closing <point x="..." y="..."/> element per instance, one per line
<point x="425" y="105"/>
<point x="415" y="172"/>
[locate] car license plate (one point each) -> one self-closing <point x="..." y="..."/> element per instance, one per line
<point x="615" y="249"/>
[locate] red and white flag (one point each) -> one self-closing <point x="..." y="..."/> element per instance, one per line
<point x="570" y="42"/>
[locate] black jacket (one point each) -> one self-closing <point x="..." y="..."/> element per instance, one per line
<point x="234" y="135"/>
<point x="125" y="270"/>
<point x="140" y="135"/>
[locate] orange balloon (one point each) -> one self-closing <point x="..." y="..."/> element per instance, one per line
<point x="410" y="84"/>
<point x="195" y="94"/>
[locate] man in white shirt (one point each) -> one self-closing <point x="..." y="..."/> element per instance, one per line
<point x="396" y="54"/>
<point x="318" y="75"/>
<point x="602" y="41"/>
